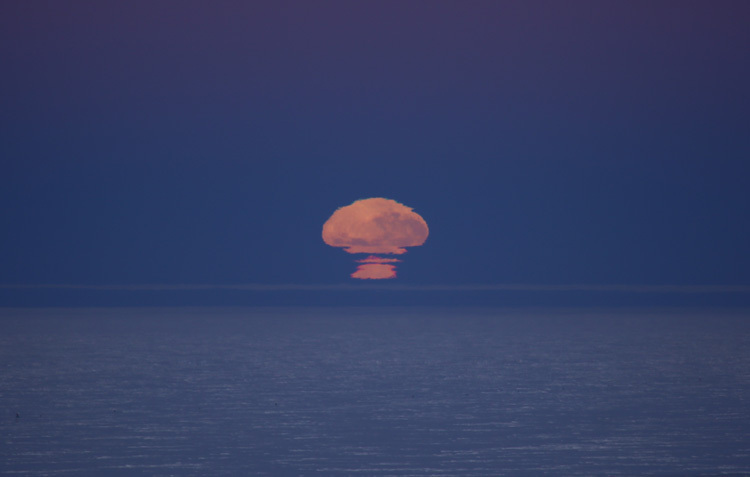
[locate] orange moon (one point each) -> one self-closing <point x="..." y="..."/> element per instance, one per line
<point x="375" y="226"/>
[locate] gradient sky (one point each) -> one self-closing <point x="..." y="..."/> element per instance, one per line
<point x="207" y="142"/>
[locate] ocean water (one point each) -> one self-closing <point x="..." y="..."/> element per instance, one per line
<point x="379" y="391"/>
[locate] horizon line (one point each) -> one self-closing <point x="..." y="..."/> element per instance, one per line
<point x="260" y="287"/>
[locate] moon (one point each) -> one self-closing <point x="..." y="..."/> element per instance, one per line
<point x="375" y="226"/>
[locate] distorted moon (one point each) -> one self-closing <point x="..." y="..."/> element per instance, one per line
<point x="375" y="226"/>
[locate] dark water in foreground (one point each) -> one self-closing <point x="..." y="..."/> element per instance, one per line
<point x="374" y="392"/>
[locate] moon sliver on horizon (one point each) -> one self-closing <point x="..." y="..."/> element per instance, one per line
<point x="375" y="226"/>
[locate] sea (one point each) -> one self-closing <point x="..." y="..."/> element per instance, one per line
<point x="411" y="391"/>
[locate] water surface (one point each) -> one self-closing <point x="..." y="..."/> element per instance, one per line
<point x="379" y="391"/>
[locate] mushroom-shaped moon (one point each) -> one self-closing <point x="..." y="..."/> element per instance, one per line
<point x="376" y="225"/>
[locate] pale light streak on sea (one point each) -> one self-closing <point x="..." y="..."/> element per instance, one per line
<point x="380" y="391"/>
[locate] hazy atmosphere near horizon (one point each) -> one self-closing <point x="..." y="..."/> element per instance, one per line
<point x="467" y="238"/>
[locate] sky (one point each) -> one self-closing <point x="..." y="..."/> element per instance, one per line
<point x="544" y="143"/>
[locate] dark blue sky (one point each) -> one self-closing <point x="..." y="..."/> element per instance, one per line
<point x="207" y="142"/>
